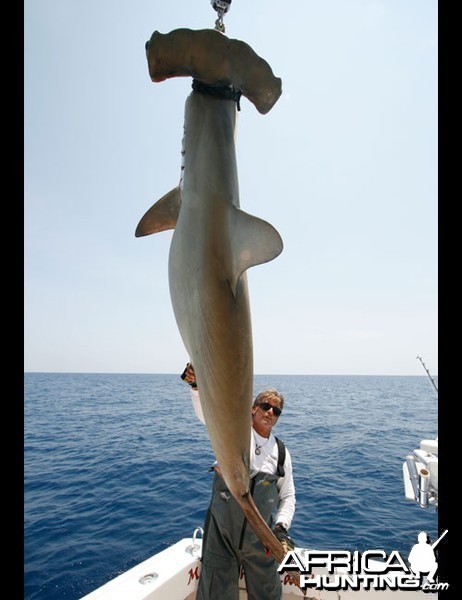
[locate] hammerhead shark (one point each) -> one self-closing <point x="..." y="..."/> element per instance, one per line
<point x="215" y="242"/>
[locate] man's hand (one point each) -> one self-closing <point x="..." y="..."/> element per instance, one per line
<point x="189" y="376"/>
<point x="281" y="533"/>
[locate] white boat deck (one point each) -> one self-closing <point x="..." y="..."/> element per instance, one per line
<point x="173" y="574"/>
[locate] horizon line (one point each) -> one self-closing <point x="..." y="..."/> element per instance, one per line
<point x="255" y="374"/>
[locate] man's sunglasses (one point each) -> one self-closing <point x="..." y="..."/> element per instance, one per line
<point x="266" y="406"/>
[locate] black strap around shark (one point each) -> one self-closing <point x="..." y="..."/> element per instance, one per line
<point x="219" y="91"/>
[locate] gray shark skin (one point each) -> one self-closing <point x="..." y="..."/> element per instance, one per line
<point x="213" y="244"/>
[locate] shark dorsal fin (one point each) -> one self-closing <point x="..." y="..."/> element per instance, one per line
<point x="253" y="242"/>
<point x="162" y="216"/>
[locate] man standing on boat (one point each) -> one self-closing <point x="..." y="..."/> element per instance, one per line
<point x="229" y="543"/>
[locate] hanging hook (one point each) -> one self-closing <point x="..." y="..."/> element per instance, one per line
<point x="222" y="7"/>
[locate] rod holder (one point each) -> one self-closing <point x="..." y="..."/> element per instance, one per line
<point x="424" y="484"/>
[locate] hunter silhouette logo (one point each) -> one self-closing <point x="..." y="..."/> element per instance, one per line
<point x="422" y="556"/>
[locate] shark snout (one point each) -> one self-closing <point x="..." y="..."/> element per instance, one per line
<point x="146" y="46"/>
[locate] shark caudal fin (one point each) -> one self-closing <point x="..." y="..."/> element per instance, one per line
<point x="264" y="533"/>
<point x="253" y="242"/>
<point x="162" y="216"/>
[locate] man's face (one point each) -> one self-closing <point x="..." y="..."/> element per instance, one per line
<point x="263" y="417"/>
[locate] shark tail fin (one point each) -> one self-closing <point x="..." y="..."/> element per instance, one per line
<point x="254" y="242"/>
<point x="162" y="216"/>
<point x="264" y="533"/>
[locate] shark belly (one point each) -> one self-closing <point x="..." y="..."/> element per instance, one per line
<point x="213" y="319"/>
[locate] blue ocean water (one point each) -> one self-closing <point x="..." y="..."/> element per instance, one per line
<point x="116" y="469"/>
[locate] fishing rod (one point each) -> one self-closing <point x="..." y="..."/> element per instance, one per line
<point x="429" y="376"/>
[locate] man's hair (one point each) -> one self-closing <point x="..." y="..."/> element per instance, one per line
<point x="267" y="395"/>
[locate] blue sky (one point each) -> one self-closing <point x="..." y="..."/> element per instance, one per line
<point x="344" y="166"/>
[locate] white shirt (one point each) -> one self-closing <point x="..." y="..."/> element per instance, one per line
<point x="267" y="462"/>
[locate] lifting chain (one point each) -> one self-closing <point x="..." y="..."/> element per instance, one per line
<point x="222" y="7"/>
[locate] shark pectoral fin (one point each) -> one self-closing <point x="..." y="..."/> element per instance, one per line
<point x="162" y="215"/>
<point x="254" y="242"/>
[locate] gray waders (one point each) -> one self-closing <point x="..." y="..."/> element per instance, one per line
<point x="229" y="543"/>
